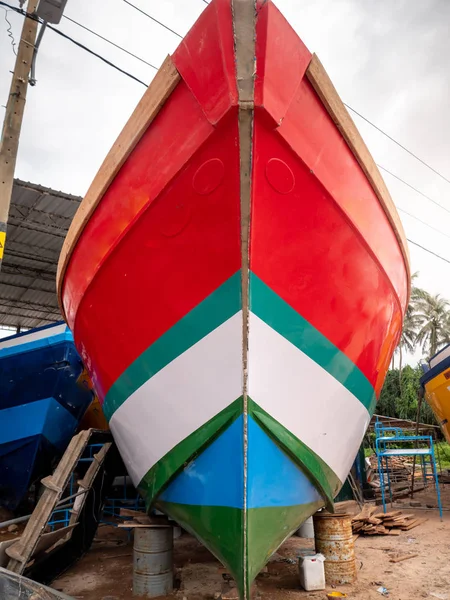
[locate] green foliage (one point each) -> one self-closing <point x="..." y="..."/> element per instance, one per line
<point x="443" y="455"/>
<point x="432" y="318"/>
<point x="399" y="396"/>
<point x="426" y="324"/>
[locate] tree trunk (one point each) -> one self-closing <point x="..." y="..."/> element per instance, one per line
<point x="433" y="344"/>
<point x="400" y="360"/>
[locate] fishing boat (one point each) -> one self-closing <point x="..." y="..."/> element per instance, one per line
<point x="436" y="384"/>
<point x="44" y="392"/>
<point x="247" y="274"/>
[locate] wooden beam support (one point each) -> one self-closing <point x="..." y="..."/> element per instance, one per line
<point x="12" y="124"/>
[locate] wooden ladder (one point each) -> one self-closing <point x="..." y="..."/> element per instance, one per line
<point x="22" y="551"/>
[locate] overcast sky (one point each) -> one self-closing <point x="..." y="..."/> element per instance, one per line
<point x="388" y="59"/>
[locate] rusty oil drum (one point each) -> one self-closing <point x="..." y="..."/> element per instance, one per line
<point x="334" y="539"/>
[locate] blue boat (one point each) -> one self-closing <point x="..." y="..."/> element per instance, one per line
<point x="43" y="396"/>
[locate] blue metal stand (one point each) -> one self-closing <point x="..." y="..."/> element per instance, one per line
<point x="61" y="515"/>
<point x="384" y="451"/>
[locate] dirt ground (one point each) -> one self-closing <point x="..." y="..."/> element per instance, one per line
<point x="105" y="573"/>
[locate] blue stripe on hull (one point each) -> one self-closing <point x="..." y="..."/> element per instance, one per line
<point x="215" y="478"/>
<point x="24" y="462"/>
<point x="31" y="436"/>
<point x="273" y="479"/>
<point x="44" y="417"/>
<point x="49" y="371"/>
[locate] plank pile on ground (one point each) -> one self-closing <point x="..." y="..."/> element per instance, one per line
<point x="400" y="468"/>
<point x="444" y="477"/>
<point x="137" y="518"/>
<point x="400" y="474"/>
<point x="371" y="522"/>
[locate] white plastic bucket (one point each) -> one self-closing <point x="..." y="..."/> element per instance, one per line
<point x="307" y="529"/>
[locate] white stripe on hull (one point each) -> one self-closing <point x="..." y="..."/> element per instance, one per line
<point x="34" y="336"/>
<point x="180" y="398"/>
<point x="305" y="398"/>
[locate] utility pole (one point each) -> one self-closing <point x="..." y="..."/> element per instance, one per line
<point x="13" y="118"/>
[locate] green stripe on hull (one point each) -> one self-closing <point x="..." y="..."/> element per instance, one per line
<point x="276" y="313"/>
<point x="268" y="528"/>
<point x="169" y="465"/>
<point x="217" y="308"/>
<point x="219" y="528"/>
<point x="320" y="474"/>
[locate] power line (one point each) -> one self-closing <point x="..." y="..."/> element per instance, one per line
<point x="79" y="44"/>
<point x="413" y="188"/>
<point x="105" y="60"/>
<point x="398" y="143"/>
<point x="153" y="19"/>
<point x="429" y="251"/>
<point x="9" y="31"/>
<point x="347" y="105"/>
<point x="59" y="32"/>
<point x="110" y="42"/>
<point x="423" y="222"/>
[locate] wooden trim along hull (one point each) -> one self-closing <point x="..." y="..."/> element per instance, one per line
<point x="236" y="280"/>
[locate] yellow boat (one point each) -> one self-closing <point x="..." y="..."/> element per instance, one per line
<point x="436" y="383"/>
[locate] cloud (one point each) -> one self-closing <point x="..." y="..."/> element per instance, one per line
<point x="389" y="60"/>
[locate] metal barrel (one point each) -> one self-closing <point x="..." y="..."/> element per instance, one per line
<point x="334" y="539"/>
<point x="152" y="561"/>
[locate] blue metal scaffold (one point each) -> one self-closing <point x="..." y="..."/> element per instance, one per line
<point x="405" y="445"/>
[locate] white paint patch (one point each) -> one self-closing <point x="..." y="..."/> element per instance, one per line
<point x="180" y="398"/>
<point x="439" y="357"/>
<point x="34" y="336"/>
<point x="305" y="398"/>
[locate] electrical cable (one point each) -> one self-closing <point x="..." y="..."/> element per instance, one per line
<point x="398" y="143"/>
<point x="423" y="222"/>
<point x="429" y="251"/>
<point x="413" y="188"/>
<point x="9" y="31"/>
<point x="110" y="42"/>
<point x="82" y="46"/>
<point x="105" y="60"/>
<point x="79" y="44"/>
<point x="153" y="19"/>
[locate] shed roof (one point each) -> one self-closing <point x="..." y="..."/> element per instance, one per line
<point x="39" y="218"/>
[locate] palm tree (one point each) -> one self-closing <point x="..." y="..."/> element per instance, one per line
<point x="410" y="326"/>
<point x="433" y="319"/>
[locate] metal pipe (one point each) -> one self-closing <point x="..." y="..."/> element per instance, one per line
<point x="32" y="80"/>
<point x="26" y="517"/>
<point x="14" y="521"/>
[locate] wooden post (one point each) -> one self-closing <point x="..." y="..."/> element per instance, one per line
<point x="13" y="119"/>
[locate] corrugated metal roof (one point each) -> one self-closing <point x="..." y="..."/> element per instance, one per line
<point x="39" y="218"/>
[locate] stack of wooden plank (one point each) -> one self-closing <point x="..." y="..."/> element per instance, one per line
<point x="371" y="522"/>
<point x="444" y="477"/>
<point x="400" y="475"/>
<point x="136" y="518"/>
<point x="400" y="468"/>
